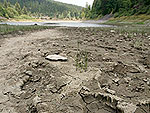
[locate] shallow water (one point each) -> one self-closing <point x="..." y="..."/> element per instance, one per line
<point x="59" y="23"/>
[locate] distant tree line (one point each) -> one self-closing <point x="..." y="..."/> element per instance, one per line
<point x="8" y="10"/>
<point x="116" y="7"/>
<point x="40" y="8"/>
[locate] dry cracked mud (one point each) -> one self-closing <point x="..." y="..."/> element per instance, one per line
<point x="117" y="79"/>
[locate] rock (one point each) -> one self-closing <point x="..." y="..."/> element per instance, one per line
<point x="135" y="34"/>
<point x="116" y="80"/>
<point x="127" y="79"/>
<point x="85" y="88"/>
<point x="36" y="100"/>
<point x="127" y="107"/>
<point x="29" y="73"/>
<point x="110" y="91"/>
<point x="147" y="80"/>
<point x="56" y="58"/>
<point x="119" y="40"/>
<point x="142" y="68"/>
<point x="148" y="83"/>
<point x="55" y="44"/>
<point x="25" y="78"/>
<point x="20" y="33"/>
<point x="112" y="31"/>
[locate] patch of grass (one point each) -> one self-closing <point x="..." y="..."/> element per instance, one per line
<point x="129" y="20"/>
<point x="141" y="23"/>
<point x="81" y="59"/>
<point x="9" y="29"/>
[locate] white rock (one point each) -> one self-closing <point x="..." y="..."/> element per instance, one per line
<point x="56" y="58"/>
<point x="112" y="31"/>
<point x="28" y="73"/>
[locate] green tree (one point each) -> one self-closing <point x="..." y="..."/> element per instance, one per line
<point x="5" y="5"/>
<point x="11" y="12"/>
<point x="24" y="10"/>
<point x="18" y="8"/>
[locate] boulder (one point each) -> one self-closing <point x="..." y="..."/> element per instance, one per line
<point x="56" y="58"/>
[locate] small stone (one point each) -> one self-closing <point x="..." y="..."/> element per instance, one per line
<point x="56" y="58"/>
<point x="55" y="44"/>
<point x="148" y="82"/>
<point x="119" y="40"/>
<point x="127" y="79"/>
<point x="20" y="33"/>
<point x="25" y="79"/>
<point x="85" y="88"/>
<point x="112" y="31"/>
<point x="36" y="100"/>
<point x="116" y="80"/>
<point x="110" y="91"/>
<point x="145" y="80"/>
<point x="28" y="73"/>
<point x="135" y="34"/>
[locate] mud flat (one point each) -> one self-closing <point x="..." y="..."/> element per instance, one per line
<point x="117" y="78"/>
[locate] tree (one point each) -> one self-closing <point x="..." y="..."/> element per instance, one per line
<point x="5" y="5"/>
<point x="24" y="10"/>
<point x="18" y="8"/>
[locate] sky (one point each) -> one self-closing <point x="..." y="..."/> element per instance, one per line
<point x="77" y="2"/>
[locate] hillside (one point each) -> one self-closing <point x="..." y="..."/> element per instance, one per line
<point x="49" y="8"/>
<point x="119" y="8"/>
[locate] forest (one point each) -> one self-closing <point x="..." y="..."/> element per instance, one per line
<point x="117" y="7"/>
<point x="38" y="8"/>
<point x="48" y="8"/>
<point x="8" y="10"/>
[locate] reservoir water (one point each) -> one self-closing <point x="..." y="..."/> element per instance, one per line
<point x="59" y="23"/>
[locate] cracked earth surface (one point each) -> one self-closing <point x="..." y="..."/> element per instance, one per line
<point x="117" y="79"/>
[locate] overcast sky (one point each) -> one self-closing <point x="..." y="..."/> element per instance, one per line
<point x="77" y="2"/>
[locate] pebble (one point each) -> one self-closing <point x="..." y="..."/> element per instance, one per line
<point x="116" y="80"/>
<point x="127" y="79"/>
<point x="112" y="31"/>
<point x="147" y="80"/>
<point x="110" y="91"/>
<point x="29" y="73"/>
